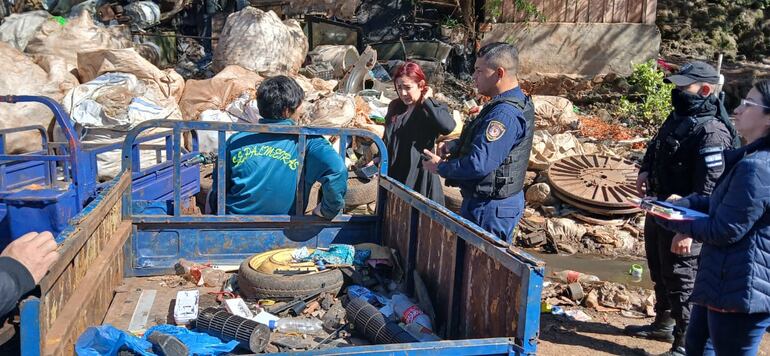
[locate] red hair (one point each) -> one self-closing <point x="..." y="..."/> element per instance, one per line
<point x="412" y="71"/>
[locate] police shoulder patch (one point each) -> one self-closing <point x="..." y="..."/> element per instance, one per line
<point x="495" y="130"/>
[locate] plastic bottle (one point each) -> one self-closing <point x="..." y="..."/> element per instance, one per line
<point x="421" y="333"/>
<point x="570" y="276"/>
<point x="410" y="312"/>
<point x="296" y="325"/>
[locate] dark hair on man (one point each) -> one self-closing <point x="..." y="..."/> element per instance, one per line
<point x="763" y="87"/>
<point x="276" y="94"/>
<point x="501" y="54"/>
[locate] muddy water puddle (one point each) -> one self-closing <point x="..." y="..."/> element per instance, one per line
<point x="612" y="270"/>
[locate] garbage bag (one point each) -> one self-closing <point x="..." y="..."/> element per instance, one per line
<point x="337" y="110"/>
<point x="250" y="39"/>
<point x="107" y="340"/>
<point x="197" y="343"/>
<point x="106" y="108"/>
<point x="22" y="76"/>
<point x="218" y="92"/>
<point x="547" y="148"/>
<point x="553" y="113"/>
<point x="78" y="35"/>
<point x="18" y="29"/>
<point x="93" y="63"/>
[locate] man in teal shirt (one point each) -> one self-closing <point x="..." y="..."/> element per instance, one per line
<point x="262" y="168"/>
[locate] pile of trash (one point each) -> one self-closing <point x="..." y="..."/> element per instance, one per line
<point x="372" y="309"/>
<point x="571" y="289"/>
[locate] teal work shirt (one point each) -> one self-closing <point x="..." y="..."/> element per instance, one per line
<point x="262" y="169"/>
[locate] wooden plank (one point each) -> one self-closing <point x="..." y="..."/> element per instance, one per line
<point x="396" y="225"/>
<point x="553" y="10"/>
<point x="635" y="11"/>
<point x="62" y="288"/>
<point x="436" y="265"/>
<point x="84" y="226"/>
<point x="596" y="10"/>
<point x="619" y="11"/>
<point x="581" y="10"/>
<point x="650" y="9"/>
<point x="570" y="7"/>
<point x="89" y="302"/>
<point x="488" y="309"/>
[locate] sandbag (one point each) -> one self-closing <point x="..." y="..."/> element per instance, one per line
<point x="144" y="14"/>
<point x="260" y="42"/>
<point x="78" y="35"/>
<point x="93" y="63"/>
<point x="218" y="92"/>
<point x="22" y="76"/>
<point x="547" y="148"/>
<point x="315" y="88"/>
<point x="553" y="113"/>
<point x="337" y="110"/>
<point x="106" y="108"/>
<point x="18" y="29"/>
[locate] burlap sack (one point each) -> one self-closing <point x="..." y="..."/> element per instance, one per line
<point x="18" y="29"/>
<point x="94" y="63"/>
<point x="259" y="41"/>
<point x="218" y="92"/>
<point x="21" y="76"/>
<point x="78" y="35"/>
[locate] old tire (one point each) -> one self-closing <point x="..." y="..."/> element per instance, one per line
<point x="360" y="192"/>
<point x="254" y="284"/>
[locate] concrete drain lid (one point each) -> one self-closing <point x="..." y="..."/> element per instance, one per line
<point x="596" y="183"/>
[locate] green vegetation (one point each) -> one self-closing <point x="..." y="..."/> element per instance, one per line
<point x="494" y="10"/>
<point x="649" y="99"/>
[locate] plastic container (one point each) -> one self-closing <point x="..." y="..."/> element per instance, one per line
<point x="569" y="276"/>
<point x="409" y="312"/>
<point x="421" y="333"/>
<point x="296" y="325"/>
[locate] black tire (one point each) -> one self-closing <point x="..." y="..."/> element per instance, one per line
<point x="453" y="200"/>
<point x="360" y="192"/>
<point x="258" y="285"/>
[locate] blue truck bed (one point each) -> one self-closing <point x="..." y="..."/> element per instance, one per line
<point x="486" y="293"/>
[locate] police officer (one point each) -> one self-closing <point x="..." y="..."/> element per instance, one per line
<point x="685" y="157"/>
<point x="262" y="168"/>
<point x="489" y="160"/>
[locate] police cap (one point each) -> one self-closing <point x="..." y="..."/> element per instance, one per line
<point x="694" y="72"/>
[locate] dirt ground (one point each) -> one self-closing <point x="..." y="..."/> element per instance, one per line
<point x="603" y="335"/>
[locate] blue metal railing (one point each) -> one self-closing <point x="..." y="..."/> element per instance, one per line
<point x="130" y="146"/>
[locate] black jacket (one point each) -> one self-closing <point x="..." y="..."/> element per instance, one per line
<point x="406" y="139"/>
<point x="681" y="161"/>
<point x="15" y="281"/>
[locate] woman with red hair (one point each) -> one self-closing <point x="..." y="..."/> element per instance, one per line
<point x="413" y="123"/>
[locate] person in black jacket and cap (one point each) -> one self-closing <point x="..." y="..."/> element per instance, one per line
<point x="23" y="264"/>
<point x="683" y="158"/>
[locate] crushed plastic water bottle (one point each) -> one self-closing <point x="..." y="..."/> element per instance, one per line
<point x="296" y="325"/>
<point x="409" y="312"/>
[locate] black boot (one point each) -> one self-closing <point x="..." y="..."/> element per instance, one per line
<point x="677" y="348"/>
<point x="660" y="329"/>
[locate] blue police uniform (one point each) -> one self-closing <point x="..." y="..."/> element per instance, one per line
<point x="500" y="130"/>
<point x="261" y="171"/>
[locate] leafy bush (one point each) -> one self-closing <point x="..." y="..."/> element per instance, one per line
<point x="649" y="99"/>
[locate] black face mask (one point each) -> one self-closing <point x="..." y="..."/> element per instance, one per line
<point x="687" y="104"/>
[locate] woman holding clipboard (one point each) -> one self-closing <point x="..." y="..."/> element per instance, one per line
<point x="731" y="297"/>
